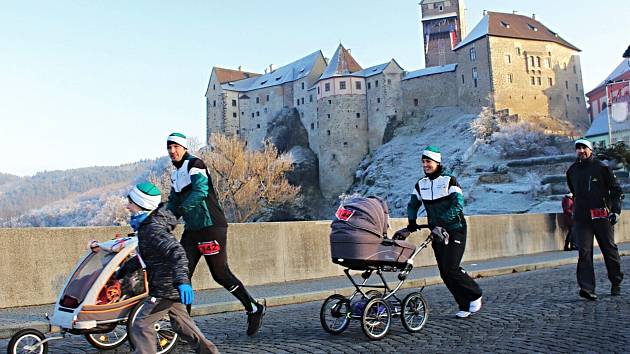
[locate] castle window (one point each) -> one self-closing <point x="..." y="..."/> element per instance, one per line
<point x="214" y="103"/>
<point x="357" y="85"/>
<point x="267" y="98"/>
<point x="302" y="86"/>
<point x="318" y="90"/>
<point x="531" y="60"/>
<point x="505" y="24"/>
<point x="297" y="102"/>
<point x="327" y="86"/>
<point x="538" y="81"/>
<point x="312" y="126"/>
<point x="302" y="100"/>
<point x="463" y="79"/>
<point x="508" y="78"/>
<point x="358" y="115"/>
<point x="508" y="59"/>
<point x="576" y="88"/>
<point x="441" y="8"/>
<point x="533" y="80"/>
<point x="369" y="85"/>
<point x="252" y="114"/>
<point x="574" y="70"/>
<point x="356" y="126"/>
<point x="474" y="73"/>
<point x="328" y="116"/>
<point x="265" y="110"/>
<point x="531" y="27"/>
<point x="473" y="54"/>
<point x="389" y="81"/>
<point x="257" y="99"/>
<point x="538" y="61"/>
<point x="214" y="87"/>
<point x="342" y="85"/>
<point x="566" y="84"/>
<point x="567" y="97"/>
<point x="415" y="102"/>
<point x="257" y="113"/>
<point x="548" y="63"/>
<point x="378" y="100"/>
<point x="334" y="156"/>
<point x="328" y="132"/>
<point x="258" y="126"/>
<point x="242" y="113"/>
<point x="233" y="103"/>
<point x="550" y="81"/>
<point x="376" y="83"/>
<point x="518" y="51"/>
<point x="234" y="114"/>
<point x="310" y="98"/>
<point x="345" y="143"/>
<point x="329" y="102"/>
<point x="577" y="99"/>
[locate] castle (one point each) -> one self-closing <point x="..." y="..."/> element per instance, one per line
<point x="510" y="62"/>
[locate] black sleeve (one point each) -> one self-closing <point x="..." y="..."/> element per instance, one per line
<point x="615" y="193"/>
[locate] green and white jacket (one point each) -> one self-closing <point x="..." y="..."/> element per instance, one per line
<point x="443" y="200"/>
<point x="193" y="196"/>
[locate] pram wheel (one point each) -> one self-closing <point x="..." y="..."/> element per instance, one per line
<point x="25" y="341"/>
<point x="110" y="340"/>
<point x="414" y="312"/>
<point x="166" y="337"/>
<point x="335" y="314"/>
<point x="376" y="319"/>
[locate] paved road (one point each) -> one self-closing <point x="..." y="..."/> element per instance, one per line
<point x="537" y="311"/>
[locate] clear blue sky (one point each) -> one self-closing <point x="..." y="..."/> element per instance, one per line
<point x="86" y="83"/>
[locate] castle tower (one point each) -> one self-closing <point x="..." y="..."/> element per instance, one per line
<point x="342" y="123"/>
<point x="443" y="27"/>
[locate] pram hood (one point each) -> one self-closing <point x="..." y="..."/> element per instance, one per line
<point x="363" y="213"/>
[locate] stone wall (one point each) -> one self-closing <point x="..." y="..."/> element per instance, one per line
<point x="421" y="94"/>
<point x="472" y="96"/>
<point x="37" y="261"/>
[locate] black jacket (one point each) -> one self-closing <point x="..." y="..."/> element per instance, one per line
<point x="594" y="186"/>
<point x="164" y="257"/>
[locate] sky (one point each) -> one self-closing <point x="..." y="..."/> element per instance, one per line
<point x="99" y="83"/>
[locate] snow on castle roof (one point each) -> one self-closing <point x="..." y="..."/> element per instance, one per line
<point x="430" y="71"/>
<point x="288" y="73"/>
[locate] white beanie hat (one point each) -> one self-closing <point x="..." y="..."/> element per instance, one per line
<point x="177" y="138"/>
<point x="584" y="142"/>
<point x="145" y="195"/>
<point x="433" y="153"/>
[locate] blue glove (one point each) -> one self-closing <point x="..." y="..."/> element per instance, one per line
<point x="186" y="294"/>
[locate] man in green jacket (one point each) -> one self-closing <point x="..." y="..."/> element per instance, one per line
<point x="205" y="227"/>
<point x="444" y="202"/>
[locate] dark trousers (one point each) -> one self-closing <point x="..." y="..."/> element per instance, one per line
<point x="143" y="330"/>
<point x="604" y="234"/>
<point x="458" y="282"/>
<point x="216" y="259"/>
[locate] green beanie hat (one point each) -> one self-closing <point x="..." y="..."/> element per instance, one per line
<point x="145" y="195"/>
<point x="177" y="138"/>
<point x="432" y="153"/>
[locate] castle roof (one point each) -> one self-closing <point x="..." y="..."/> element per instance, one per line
<point x="287" y="73"/>
<point x="501" y="24"/>
<point x="375" y="70"/>
<point x="430" y="71"/>
<point x="621" y="69"/>
<point x="342" y="63"/>
<point x="226" y="75"/>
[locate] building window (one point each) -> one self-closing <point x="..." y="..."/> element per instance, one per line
<point x="233" y="103"/>
<point x="531" y="61"/>
<point x="312" y="126"/>
<point x="378" y="100"/>
<point x="302" y="86"/>
<point x="577" y="99"/>
<point x="214" y="103"/>
<point x="328" y="132"/>
<point x="473" y="54"/>
<point x="318" y="90"/>
<point x="566" y="84"/>
<point x="548" y="63"/>
<point x="267" y="98"/>
<point x="358" y="115"/>
<point x="302" y="99"/>
<point x="327" y="86"/>
<point x="574" y="70"/>
<point x="342" y="85"/>
<point x="257" y="113"/>
<point x="533" y="80"/>
<point x="538" y="61"/>
<point x="357" y="85"/>
<point x="518" y="51"/>
<point x="508" y="78"/>
<point x="415" y="102"/>
<point x="252" y="114"/>
<point x="345" y="143"/>
<point x="441" y="8"/>
<point x="567" y="97"/>
<point x="265" y="110"/>
<point x="258" y="126"/>
<point x="538" y="81"/>
<point x="329" y="101"/>
<point x="334" y="156"/>
<point x="214" y="87"/>
<point x="576" y="88"/>
<point x="242" y="113"/>
<point x="297" y="102"/>
<point x="508" y="59"/>
<point x="389" y="81"/>
<point x="328" y="116"/>
<point x="474" y="76"/>
<point x="462" y="79"/>
<point x="369" y="85"/>
<point x="550" y="81"/>
<point x="234" y="114"/>
<point x="376" y="83"/>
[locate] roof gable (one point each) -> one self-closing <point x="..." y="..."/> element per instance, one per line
<point x="226" y="75"/>
<point x="342" y="63"/>
<point x="513" y="26"/>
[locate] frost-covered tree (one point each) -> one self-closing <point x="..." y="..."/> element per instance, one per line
<point x="113" y="212"/>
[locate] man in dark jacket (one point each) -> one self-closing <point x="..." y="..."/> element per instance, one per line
<point x="205" y="228"/>
<point x="597" y="204"/>
<point x="167" y="271"/>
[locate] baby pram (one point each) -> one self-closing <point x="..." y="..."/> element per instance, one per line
<point x="95" y="304"/>
<point x="359" y="242"/>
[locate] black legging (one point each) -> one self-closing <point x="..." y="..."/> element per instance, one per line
<point x="217" y="261"/>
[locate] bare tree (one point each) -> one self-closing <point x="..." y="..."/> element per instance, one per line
<point x="248" y="183"/>
<point x="113" y="212"/>
<point x="162" y="181"/>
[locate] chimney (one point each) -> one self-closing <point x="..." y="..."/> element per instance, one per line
<point x="533" y="16"/>
<point x="514" y="12"/>
<point x="271" y="68"/>
<point x="485" y="12"/>
<point x="240" y="68"/>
